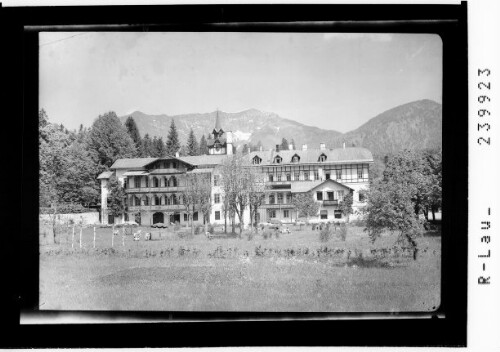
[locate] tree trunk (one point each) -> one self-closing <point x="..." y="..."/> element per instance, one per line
<point x="427" y="213"/>
<point x="225" y="222"/>
<point x="54" y="229"/>
<point x="192" y="222"/>
<point x="433" y="213"/>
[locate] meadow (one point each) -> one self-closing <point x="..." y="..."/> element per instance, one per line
<point x="294" y="272"/>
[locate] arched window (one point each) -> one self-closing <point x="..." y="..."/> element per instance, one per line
<point x="278" y="159"/>
<point x="256" y="160"/>
<point x="156" y="182"/>
<point x="174" y="199"/>
<point x="137" y="201"/>
<point x="295" y="158"/>
<point x="147" y="181"/>
<point x="145" y="200"/>
<point x="156" y="200"/>
<point x="172" y="182"/>
<point x="322" y="157"/>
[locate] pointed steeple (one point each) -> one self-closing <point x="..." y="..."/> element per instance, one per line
<point x="217" y="122"/>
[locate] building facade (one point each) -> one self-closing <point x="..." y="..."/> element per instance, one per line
<point x="154" y="186"/>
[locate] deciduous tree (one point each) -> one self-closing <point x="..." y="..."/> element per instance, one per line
<point x="305" y="205"/>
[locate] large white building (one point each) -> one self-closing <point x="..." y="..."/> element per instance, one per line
<point x="154" y="185"/>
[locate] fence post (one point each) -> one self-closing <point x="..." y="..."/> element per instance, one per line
<point x="94" y="236"/>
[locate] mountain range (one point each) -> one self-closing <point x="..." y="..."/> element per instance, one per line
<point x="415" y="125"/>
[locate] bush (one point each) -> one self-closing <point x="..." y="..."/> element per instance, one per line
<point x="211" y="228"/>
<point x="343" y="232"/>
<point x="267" y="234"/>
<point x="324" y="235"/>
<point x="198" y="229"/>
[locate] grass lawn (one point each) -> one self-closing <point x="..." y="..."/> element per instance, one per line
<point x="295" y="272"/>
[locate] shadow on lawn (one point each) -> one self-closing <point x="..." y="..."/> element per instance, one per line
<point x="362" y="262"/>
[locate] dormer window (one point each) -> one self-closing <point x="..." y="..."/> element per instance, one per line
<point x="322" y="158"/>
<point x="278" y="159"/>
<point x="256" y="160"/>
<point x="295" y="158"/>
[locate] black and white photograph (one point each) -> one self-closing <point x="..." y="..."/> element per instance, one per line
<point x="240" y="171"/>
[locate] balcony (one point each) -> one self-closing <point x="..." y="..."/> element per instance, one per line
<point x="330" y="202"/>
<point x="154" y="189"/>
<point x="174" y="207"/>
<point x="277" y="206"/>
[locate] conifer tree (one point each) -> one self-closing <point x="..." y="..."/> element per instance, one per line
<point x="173" y="144"/>
<point x="133" y="131"/>
<point x="161" y="148"/>
<point x="284" y="144"/>
<point x="192" y="144"/>
<point x="203" y="146"/>
<point x="146" y="147"/>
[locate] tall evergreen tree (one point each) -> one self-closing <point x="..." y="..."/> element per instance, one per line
<point x="284" y="144"/>
<point x="192" y="144"/>
<point x="147" y="147"/>
<point x="161" y="149"/>
<point x="109" y="140"/>
<point x="173" y="144"/>
<point x="133" y="131"/>
<point x="203" y="146"/>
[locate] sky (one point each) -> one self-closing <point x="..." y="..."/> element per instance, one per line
<point x="335" y="81"/>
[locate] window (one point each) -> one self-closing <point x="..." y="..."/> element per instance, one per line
<point x="316" y="175"/>
<point x="330" y="195"/>
<point x="272" y="213"/>
<point x="360" y="172"/>
<point x="137" y="181"/>
<point x="155" y="182"/>
<point x="146" y="179"/>
<point x="216" y="198"/>
<point x="280" y="198"/>
<point x="137" y="201"/>
<point x="295" y="158"/>
<point x="286" y="213"/>
<point x="277" y="160"/>
<point x="256" y="160"/>
<point x="216" y="180"/>
<point x="185" y="217"/>
<point x="322" y="158"/>
<point x="145" y="200"/>
<point x="271" y="199"/>
<point x="340" y="195"/>
<point x="337" y="214"/>
<point x="306" y="175"/>
<point x="296" y="176"/>
<point x="327" y="176"/>
<point x="217" y="215"/>
<point x="156" y="200"/>
<point x="174" y="199"/>
<point x="278" y="177"/>
<point x="195" y="216"/>
<point x="288" y="198"/>
<point x="324" y="214"/>
<point x="174" y="164"/>
<point x="288" y="177"/>
<point x="338" y="174"/>
<point x="271" y="178"/>
<point x="319" y="195"/>
<point x="125" y="216"/>
<point x="125" y="183"/>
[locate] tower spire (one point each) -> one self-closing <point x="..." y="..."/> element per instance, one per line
<point x="217" y="122"/>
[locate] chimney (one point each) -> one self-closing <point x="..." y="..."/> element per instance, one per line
<point x="343" y="145"/>
<point x="304" y="146"/>
<point x="290" y="147"/>
<point x="277" y="147"/>
<point x="177" y="154"/>
<point x="260" y="148"/>
<point x="322" y="146"/>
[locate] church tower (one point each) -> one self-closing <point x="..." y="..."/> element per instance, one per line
<point x="220" y="141"/>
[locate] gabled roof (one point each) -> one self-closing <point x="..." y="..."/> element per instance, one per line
<point x="331" y="181"/>
<point x="132" y="163"/>
<point x="222" y="140"/>
<point x="105" y="175"/>
<point x="168" y="157"/>
<point x="339" y="155"/>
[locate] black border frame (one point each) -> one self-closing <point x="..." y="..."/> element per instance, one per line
<point x="447" y="327"/>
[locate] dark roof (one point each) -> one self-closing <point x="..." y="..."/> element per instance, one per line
<point x="217" y="122"/>
<point x="343" y="155"/>
<point x="168" y="157"/>
<point x="105" y="175"/>
<point x="222" y="140"/>
<point x="132" y="163"/>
